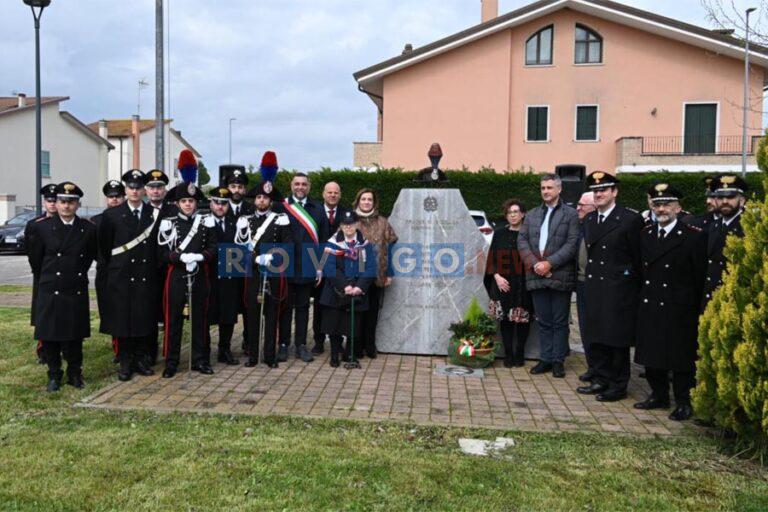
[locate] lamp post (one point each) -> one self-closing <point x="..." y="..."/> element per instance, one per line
<point x="230" y="137"/>
<point x="37" y="14"/>
<point x="746" y="96"/>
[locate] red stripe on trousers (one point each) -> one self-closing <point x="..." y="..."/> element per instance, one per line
<point x="166" y="312"/>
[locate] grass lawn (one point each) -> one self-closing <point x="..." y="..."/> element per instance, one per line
<point x="55" y="457"/>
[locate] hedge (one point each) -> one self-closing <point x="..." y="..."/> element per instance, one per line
<point x="487" y="189"/>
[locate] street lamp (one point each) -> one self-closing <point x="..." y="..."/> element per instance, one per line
<point x="230" y="137"/>
<point x="746" y="97"/>
<point x="36" y="14"/>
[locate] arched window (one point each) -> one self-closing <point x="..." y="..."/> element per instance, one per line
<point x="538" y="47"/>
<point x="589" y="46"/>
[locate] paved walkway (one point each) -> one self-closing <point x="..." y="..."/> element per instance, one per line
<point x="398" y="388"/>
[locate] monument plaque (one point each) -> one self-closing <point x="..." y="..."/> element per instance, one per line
<point x="439" y="263"/>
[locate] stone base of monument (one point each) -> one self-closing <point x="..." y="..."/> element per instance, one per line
<point x="428" y="293"/>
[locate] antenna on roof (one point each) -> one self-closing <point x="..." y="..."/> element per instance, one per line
<point x="142" y="84"/>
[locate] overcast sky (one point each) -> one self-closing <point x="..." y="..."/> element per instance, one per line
<point x="283" y="68"/>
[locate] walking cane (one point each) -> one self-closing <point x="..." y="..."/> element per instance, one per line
<point x="352" y="363"/>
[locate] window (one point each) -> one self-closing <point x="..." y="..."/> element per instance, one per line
<point x="589" y="46"/>
<point x="586" y="122"/>
<point x="45" y="164"/>
<point x="538" y="48"/>
<point x="538" y="124"/>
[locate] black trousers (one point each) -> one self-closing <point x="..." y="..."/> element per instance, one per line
<point x="129" y="349"/>
<point x="174" y="318"/>
<point x="368" y="321"/>
<point x="682" y="383"/>
<point x="514" y="335"/>
<point x="253" y="320"/>
<point x="298" y="302"/>
<point x="71" y="351"/>
<point x="611" y="365"/>
<point x="317" y="317"/>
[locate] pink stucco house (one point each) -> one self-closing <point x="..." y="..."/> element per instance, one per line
<point x="586" y="82"/>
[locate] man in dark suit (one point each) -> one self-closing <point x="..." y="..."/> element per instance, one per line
<point x="705" y="221"/>
<point x="305" y="221"/>
<point x="49" y="206"/>
<point x="61" y="256"/>
<point x="612" y="236"/>
<point x="226" y="297"/>
<point x="730" y="193"/>
<point x="237" y="183"/>
<point x="127" y="245"/>
<point x="673" y="265"/>
<point x="332" y="213"/>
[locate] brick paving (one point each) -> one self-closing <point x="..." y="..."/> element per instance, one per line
<point x="397" y="388"/>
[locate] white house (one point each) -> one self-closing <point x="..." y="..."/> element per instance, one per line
<point x="71" y="151"/>
<point x="121" y="134"/>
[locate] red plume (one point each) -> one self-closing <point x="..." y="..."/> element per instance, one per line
<point x="269" y="159"/>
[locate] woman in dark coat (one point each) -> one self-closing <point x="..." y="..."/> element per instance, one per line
<point x="504" y="280"/>
<point x="349" y="279"/>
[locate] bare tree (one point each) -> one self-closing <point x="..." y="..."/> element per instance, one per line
<point x="726" y="15"/>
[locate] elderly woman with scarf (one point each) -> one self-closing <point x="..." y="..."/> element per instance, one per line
<point x="379" y="233"/>
<point x="347" y="282"/>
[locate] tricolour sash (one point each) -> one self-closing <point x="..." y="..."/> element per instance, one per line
<point x="305" y="219"/>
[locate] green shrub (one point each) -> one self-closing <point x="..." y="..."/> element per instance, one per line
<point x="487" y="190"/>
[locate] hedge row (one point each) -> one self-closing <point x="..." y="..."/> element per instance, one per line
<point x="487" y="190"/>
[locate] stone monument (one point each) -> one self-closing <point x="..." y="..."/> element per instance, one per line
<point x="439" y="263"/>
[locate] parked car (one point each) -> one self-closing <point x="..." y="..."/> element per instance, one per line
<point x="12" y="233"/>
<point x="483" y="225"/>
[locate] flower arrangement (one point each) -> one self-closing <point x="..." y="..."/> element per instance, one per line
<point x="472" y="343"/>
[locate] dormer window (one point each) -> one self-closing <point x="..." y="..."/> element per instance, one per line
<point x="589" y="46"/>
<point x="538" y="47"/>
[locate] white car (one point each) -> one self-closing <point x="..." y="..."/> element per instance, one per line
<point x="482" y="224"/>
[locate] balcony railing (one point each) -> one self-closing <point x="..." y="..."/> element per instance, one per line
<point x="698" y="145"/>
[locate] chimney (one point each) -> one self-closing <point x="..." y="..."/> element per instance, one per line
<point x="489" y="10"/>
<point x="407" y="49"/>
<point x="22" y="99"/>
<point x="135" y="136"/>
<point x="103" y="130"/>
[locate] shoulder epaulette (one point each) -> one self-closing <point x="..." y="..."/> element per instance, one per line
<point x="208" y="221"/>
<point x="282" y="220"/>
<point x="632" y="210"/>
<point x="692" y="228"/>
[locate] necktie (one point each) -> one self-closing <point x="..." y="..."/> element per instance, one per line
<point x="662" y="234"/>
<point x="544" y="232"/>
<point x="331" y="215"/>
<point x="600" y="218"/>
<point x="221" y="225"/>
<point x="136" y="213"/>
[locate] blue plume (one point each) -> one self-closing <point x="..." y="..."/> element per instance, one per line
<point x="189" y="173"/>
<point x="268" y="172"/>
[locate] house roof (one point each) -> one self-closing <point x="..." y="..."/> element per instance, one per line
<point x="10" y="104"/>
<point x="122" y="127"/>
<point x="83" y="128"/>
<point x="370" y="78"/>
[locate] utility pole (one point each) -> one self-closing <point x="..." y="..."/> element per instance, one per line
<point x="746" y="98"/>
<point x="159" y="89"/>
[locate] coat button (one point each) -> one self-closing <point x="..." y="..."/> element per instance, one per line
<point x="79" y="293"/>
<point x="590" y="261"/>
<point x="59" y="255"/>
<point x="647" y="282"/>
<point x="58" y="273"/>
<point x="133" y="260"/>
<point x="590" y="276"/>
<point x="132" y="279"/>
<point x="79" y="274"/>
<point x="645" y="300"/>
<point x="664" y="285"/>
<point x="709" y="279"/>
<point x="601" y="278"/>
<point x="661" y="303"/>
<point x="666" y="266"/>
<point x="709" y="261"/>
<point x="56" y="292"/>
<point x="604" y="247"/>
<point x="143" y="278"/>
<point x="602" y="263"/>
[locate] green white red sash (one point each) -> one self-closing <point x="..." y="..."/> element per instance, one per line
<point x="305" y="219"/>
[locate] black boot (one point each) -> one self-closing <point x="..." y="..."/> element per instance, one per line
<point x="54" y="380"/>
<point x="225" y="355"/>
<point x="335" y="351"/>
<point x="75" y="378"/>
<point x="124" y="373"/>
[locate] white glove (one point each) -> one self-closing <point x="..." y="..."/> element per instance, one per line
<point x="197" y="257"/>
<point x="191" y="266"/>
<point x="186" y="258"/>
<point x="264" y="259"/>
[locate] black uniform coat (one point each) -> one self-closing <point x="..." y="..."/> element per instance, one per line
<point x="716" y="260"/>
<point x="669" y="301"/>
<point x="244" y="208"/>
<point x="612" y="277"/>
<point x="301" y="238"/>
<point x="30" y="235"/>
<point x="101" y="284"/>
<point x="61" y="256"/>
<point x="704" y="222"/>
<point x="279" y="232"/>
<point x="132" y="277"/>
<point x="226" y="296"/>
